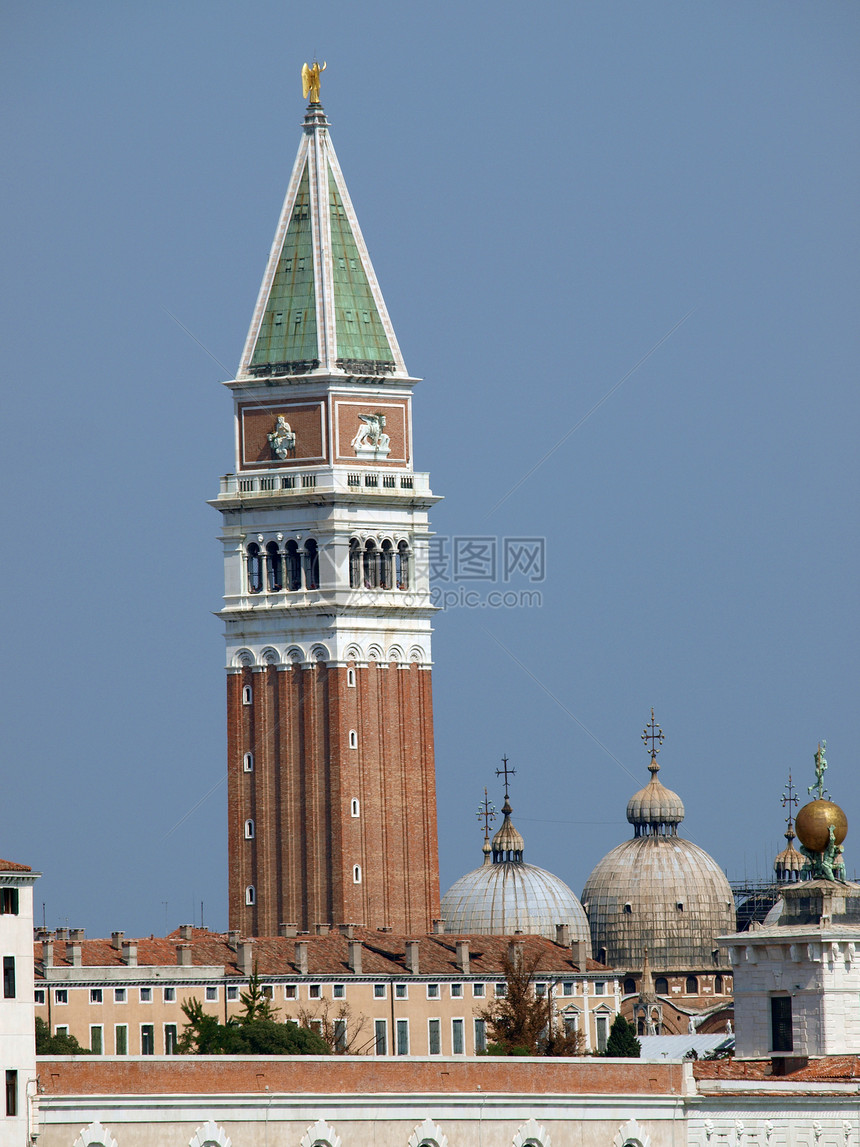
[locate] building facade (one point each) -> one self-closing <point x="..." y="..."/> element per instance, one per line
<point x="332" y="803"/>
<point x="17" y="1035"/>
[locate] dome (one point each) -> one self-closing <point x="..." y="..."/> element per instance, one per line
<point x="655" y="806"/>
<point x="506" y="895"/>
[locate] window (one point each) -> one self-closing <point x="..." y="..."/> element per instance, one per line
<point x="354" y="568"/>
<point x="9" y="902"/>
<point x="314" y="991"/>
<point x="170" y="1039"/>
<point x="339" y="1034"/>
<point x="61" y="996"/>
<point x="146" y="995"/>
<point x="402" y="566"/>
<point x="338" y="991"/>
<point x="96" y="1039"/>
<point x="680" y="906"/>
<point x="290" y="992"/>
<point x="353" y="807"/>
<point x="232" y="992"/>
<point x="567" y="988"/>
<point x="95" y="995"/>
<point x="8" y="977"/>
<point x="249" y="830"/>
<point x="401" y="992"/>
<point x="458" y="1045"/>
<point x="718" y="985"/>
<point x="432" y="991"/>
<point x="273" y="568"/>
<point x="629" y="986"/>
<point x="250" y="895"/>
<point x="169" y="995"/>
<point x="403" y="1037"/>
<point x="121" y="1039"/>
<point x="480" y="1035"/>
<point x="350" y="678"/>
<point x="293" y="566"/>
<point x="602" y="1023"/>
<point x="379" y="991"/>
<point x="353" y="739"/>
<point x="247" y="695"/>
<point x="61" y="1029"/>
<point x="571" y="1023"/>
<point x="478" y="990"/>
<point x="782" y="1036"/>
<point x="312" y="565"/>
<point x="601" y="955"/>
<point x="255" y="569"/>
<point x="600" y="988"/>
<point x="119" y="996"/>
<point x="39" y="995"/>
<point x="540" y="990"/>
<point x="248" y="762"/>
<point x="628" y="908"/>
<point x="356" y="874"/>
<point x="692" y="986"/>
<point x="380" y="1035"/>
<point x="434" y="1037"/>
<point x="211" y="994"/>
<point x="11" y="1092"/>
<point x="147" y="1039"/>
<point x="501" y="991"/>
<point x="456" y="991"/>
<point x="661" y="985"/>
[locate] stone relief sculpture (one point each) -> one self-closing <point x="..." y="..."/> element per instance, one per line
<point x="282" y="439"/>
<point x="370" y="440"/>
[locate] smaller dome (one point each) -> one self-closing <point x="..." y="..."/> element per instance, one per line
<point x="508" y="843"/>
<point x="655" y="809"/>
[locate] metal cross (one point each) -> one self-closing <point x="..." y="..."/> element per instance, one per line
<point x="486" y="813"/>
<point x="789" y="799"/>
<point x="654" y="734"/>
<point x="504" y="772"/>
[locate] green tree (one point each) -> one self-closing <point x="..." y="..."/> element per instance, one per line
<point x="522" y="1022"/>
<point x="60" y="1044"/>
<point x="247" y="1035"/>
<point x="622" y="1039"/>
<point x="257" y="1004"/>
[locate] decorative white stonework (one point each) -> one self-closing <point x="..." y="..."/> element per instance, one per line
<point x="282" y="439"/>
<point x="371" y="443"/>
<point x="210" y="1135"/>
<point x="95" y="1136"/>
<point x="321" y="1135"/>
<point x="531" y="1134"/>
<point x="428" y="1134"/>
<point x="632" y="1133"/>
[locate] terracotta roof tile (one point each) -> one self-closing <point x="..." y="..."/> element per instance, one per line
<point x="11" y="866"/>
<point x="831" y="1068"/>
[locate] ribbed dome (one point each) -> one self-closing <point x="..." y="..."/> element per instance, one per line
<point x="655" y="809"/>
<point x="506" y="895"/>
<point x="662" y="893"/>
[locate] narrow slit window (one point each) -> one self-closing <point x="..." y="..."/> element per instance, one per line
<point x="249" y="830"/>
<point x="248" y="763"/>
<point x="250" y="895"/>
<point x="247" y="695"/>
<point x="356" y="874"/>
<point x="353" y="739"/>
<point x="350" y="678"/>
<point x="353" y="809"/>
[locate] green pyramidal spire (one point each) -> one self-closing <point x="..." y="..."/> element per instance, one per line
<point x="320" y="308"/>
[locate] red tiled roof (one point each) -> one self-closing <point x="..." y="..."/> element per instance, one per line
<point x="11" y="866"/>
<point x="831" y="1068"/>
<point x="383" y="953"/>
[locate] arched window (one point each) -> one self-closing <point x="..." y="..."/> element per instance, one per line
<point x="250" y="895"/>
<point x="247" y="695"/>
<point x="629" y="986"/>
<point x="601" y="955"/>
<point x="350" y="678"/>
<point x="371" y="565"/>
<point x="386" y="566"/>
<point x="356" y="874"/>
<point x="249" y="830"/>
<point x="248" y="762"/>
<point x="354" y="564"/>
<point x="402" y="566"/>
<point x="293" y="563"/>
<point x="718" y="985"/>
<point x="255" y="568"/>
<point x="661" y="986"/>
<point x="273" y="568"/>
<point x="353" y="808"/>
<point x="312" y="565"/>
<point x="353" y="739"/>
<point x="692" y="986"/>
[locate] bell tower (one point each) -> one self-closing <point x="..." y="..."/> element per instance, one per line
<point x="327" y="614"/>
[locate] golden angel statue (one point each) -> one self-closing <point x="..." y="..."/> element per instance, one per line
<point x="311" y="82"/>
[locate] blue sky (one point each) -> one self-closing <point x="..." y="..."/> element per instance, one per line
<point x="546" y="190"/>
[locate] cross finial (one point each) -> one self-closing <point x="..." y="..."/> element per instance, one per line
<point x="486" y="813"/>
<point x="789" y="799"/>
<point x="503" y="771"/>
<point x="654" y="734"/>
<point x="820" y="769"/>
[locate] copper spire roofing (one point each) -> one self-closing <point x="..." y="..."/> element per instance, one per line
<point x="320" y="307"/>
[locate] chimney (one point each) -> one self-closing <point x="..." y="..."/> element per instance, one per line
<point x="129" y="953"/>
<point x="288" y="930"/>
<point x="347" y="930"/>
<point x="301" y="960"/>
<point x="412" y="956"/>
<point x="116" y="939"/>
<point x="62" y="933"/>
<point x="245" y="957"/>
<point x="516" y="953"/>
<point x="355" y="957"/>
<point x="74" y="951"/>
<point x="76" y="935"/>
<point x="233" y="939"/>
<point x="183" y="955"/>
<point x="463" y="956"/>
<point x="562" y="935"/>
<point x="322" y="929"/>
<point x="47" y="953"/>
<point x="186" y="931"/>
<point x="438" y="927"/>
<point x="579" y="954"/>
